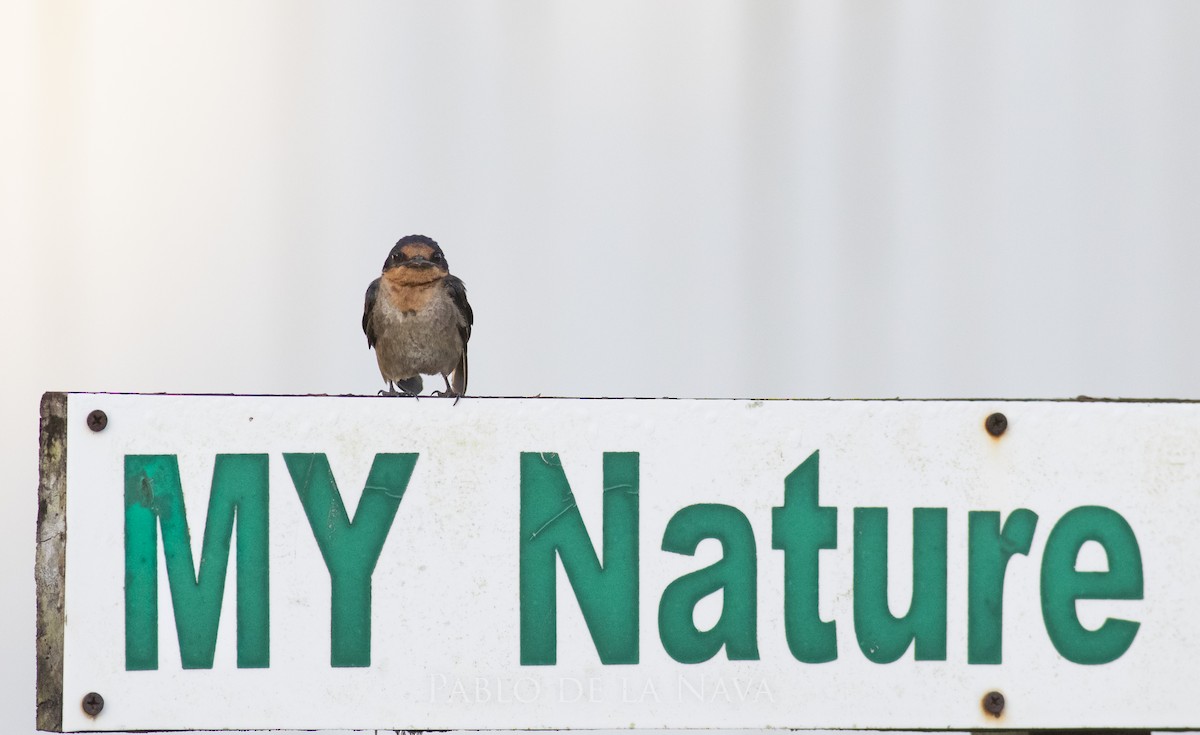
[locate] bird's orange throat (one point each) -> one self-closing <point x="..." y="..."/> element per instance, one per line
<point x="410" y="289"/>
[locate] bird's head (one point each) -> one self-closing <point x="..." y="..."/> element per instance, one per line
<point x="418" y="253"/>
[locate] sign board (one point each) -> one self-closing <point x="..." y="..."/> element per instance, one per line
<point x="237" y="562"/>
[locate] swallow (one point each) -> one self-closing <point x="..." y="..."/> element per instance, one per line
<point x="417" y="319"/>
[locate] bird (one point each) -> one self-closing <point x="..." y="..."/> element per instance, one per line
<point x="418" y="320"/>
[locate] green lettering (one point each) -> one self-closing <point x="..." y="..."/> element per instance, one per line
<point x="154" y="497"/>
<point x="883" y="637"/>
<point x="350" y="548"/>
<point x="801" y="528"/>
<point x="988" y="551"/>
<point x="735" y="575"/>
<point x="1063" y="586"/>
<point x="552" y="526"/>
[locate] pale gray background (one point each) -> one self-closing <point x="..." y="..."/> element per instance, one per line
<point x="680" y="198"/>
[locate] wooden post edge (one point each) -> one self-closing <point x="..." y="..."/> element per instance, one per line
<point x="50" y="560"/>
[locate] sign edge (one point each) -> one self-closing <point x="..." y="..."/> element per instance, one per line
<point x="50" y="559"/>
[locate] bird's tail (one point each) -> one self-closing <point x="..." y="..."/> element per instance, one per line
<point x="458" y="381"/>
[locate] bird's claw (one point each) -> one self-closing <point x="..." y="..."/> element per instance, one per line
<point x="447" y="394"/>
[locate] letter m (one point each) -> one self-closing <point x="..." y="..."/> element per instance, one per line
<point x="551" y="527"/>
<point x="154" y="498"/>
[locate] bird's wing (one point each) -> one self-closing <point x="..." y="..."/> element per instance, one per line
<point x="369" y="311"/>
<point x="458" y="294"/>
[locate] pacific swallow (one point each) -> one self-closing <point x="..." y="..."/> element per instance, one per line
<point x="418" y="320"/>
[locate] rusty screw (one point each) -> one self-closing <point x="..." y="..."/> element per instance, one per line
<point x="996" y="424"/>
<point x="92" y="704"/>
<point x="993" y="703"/>
<point x="97" y="420"/>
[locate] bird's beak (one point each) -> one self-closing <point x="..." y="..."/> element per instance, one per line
<point x="418" y="261"/>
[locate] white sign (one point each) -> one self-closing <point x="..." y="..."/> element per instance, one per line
<point x="575" y="563"/>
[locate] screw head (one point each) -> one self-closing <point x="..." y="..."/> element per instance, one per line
<point x="97" y="420"/>
<point x="92" y="704"/>
<point x="993" y="703"/>
<point x="996" y="424"/>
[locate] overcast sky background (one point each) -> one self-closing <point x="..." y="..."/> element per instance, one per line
<point x="676" y="198"/>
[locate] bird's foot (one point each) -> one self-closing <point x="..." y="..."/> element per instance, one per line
<point x="447" y="394"/>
